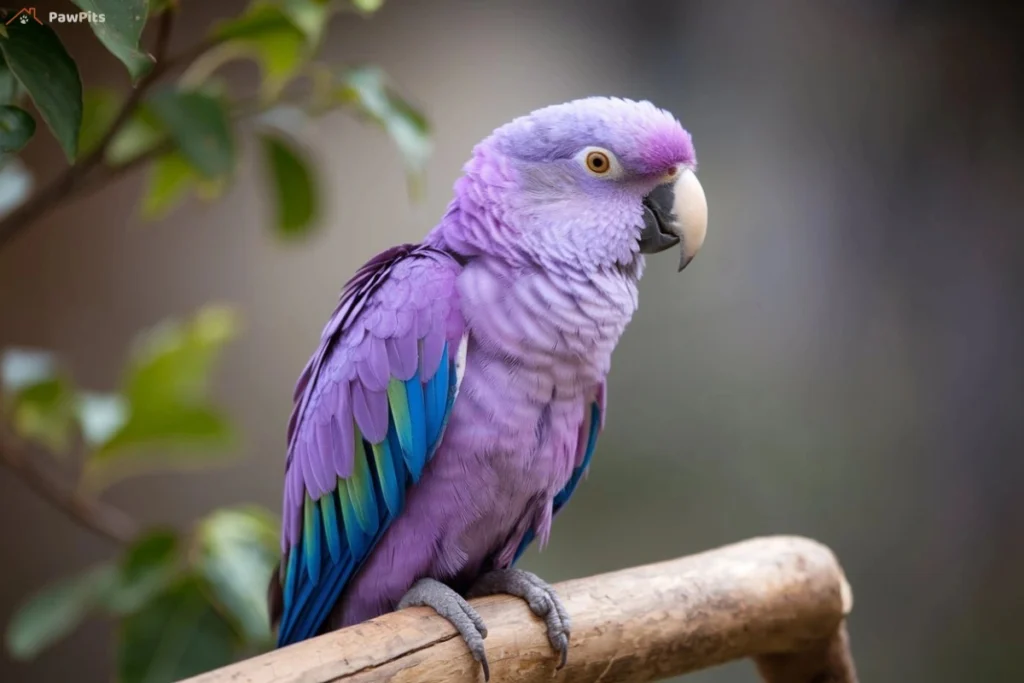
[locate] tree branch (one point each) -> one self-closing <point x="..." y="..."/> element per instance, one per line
<point x="108" y="174"/>
<point x="68" y="182"/>
<point x="94" y="515"/>
<point x="827" y="662"/>
<point x="780" y="600"/>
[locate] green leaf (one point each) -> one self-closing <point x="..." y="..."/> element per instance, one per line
<point x="10" y="89"/>
<point x="99" y="109"/>
<point x="8" y="86"/>
<point x="367" y="6"/>
<point x="120" y="31"/>
<point x="367" y="89"/>
<point x="172" y="361"/>
<point x="310" y="16"/>
<point x="166" y="390"/>
<point x="178" y="635"/>
<point x="37" y="58"/>
<point x="140" y="134"/>
<point x="44" y="412"/>
<point x="15" y="183"/>
<point x="260" y="19"/>
<point x="55" y="611"/>
<point x="273" y="37"/>
<point x="40" y="399"/>
<point x="21" y="368"/>
<point x="177" y="426"/>
<point x="238" y="550"/>
<point x="170" y="178"/>
<point x="295" y="191"/>
<point x="16" y="128"/>
<point x="100" y="416"/>
<point x="158" y="7"/>
<point x="147" y="569"/>
<point x="198" y="124"/>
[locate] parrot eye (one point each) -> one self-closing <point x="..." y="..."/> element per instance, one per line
<point x="599" y="162"/>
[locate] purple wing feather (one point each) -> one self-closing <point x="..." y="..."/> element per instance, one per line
<point x="391" y="341"/>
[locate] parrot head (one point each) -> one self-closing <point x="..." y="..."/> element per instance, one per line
<point x="597" y="181"/>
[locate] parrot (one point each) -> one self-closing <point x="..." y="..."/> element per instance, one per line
<point x="458" y="390"/>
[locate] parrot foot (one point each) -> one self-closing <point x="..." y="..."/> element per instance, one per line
<point x="453" y="607"/>
<point x="538" y="594"/>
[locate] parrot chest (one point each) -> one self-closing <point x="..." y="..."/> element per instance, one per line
<point x="539" y="346"/>
<point x="506" y="454"/>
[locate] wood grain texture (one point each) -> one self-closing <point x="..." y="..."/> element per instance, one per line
<point x="781" y="600"/>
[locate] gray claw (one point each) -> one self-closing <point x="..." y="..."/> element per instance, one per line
<point x="539" y="595"/>
<point x="454" y="608"/>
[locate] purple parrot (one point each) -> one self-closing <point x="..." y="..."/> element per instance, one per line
<point x="458" y="390"/>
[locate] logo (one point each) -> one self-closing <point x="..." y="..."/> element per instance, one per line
<point x="24" y="16"/>
<point x="28" y="14"/>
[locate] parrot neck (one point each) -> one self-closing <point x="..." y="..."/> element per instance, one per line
<point x="546" y="321"/>
<point x="535" y="216"/>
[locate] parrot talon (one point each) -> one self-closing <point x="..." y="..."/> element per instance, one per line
<point x="541" y="598"/>
<point x="459" y="613"/>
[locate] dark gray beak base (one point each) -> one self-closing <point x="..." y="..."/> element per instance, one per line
<point x="656" y="235"/>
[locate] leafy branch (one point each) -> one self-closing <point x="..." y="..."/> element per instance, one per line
<point x="186" y="601"/>
<point x="66" y="183"/>
<point x="183" y="131"/>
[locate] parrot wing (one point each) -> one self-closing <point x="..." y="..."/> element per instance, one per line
<point x="370" y="409"/>
<point x="590" y="429"/>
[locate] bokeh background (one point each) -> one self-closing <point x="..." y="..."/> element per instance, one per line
<point x="841" y="360"/>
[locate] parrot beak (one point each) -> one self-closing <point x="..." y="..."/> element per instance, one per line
<point x="675" y="213"/>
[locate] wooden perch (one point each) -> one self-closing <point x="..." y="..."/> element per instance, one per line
<point x="780" y="600"/>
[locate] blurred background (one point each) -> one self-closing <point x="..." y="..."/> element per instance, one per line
<point x="840" y="361"/>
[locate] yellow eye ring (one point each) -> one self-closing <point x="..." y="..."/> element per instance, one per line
<point x="598" y="162"/>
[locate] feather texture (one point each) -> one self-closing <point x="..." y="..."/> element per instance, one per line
<point x="370" y="410"/>
<point x="589" y="431"/>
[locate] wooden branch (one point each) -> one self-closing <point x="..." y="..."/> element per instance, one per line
<point x="90" y="514"/>
<point x="781" y="600"/>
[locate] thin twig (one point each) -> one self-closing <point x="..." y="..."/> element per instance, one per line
<point x="68" y="182"/>
<point x="112" y="173"/>
<point x="94" y="515"/>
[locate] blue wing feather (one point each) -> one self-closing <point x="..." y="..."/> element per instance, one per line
<point x="562" y="497"/>
<point x="398" y="461"/>
<point x="417" y="424"/>
<point x="329" y="513"/>
<point x="351" y="518"/>
<point x="437" y="398"/>
<point x="387" y="476"/>
<point x="291" y="575"/>
<point x="357" y="540"/>
<point x="311" y="532"/>
<point x="361" y="491"/>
